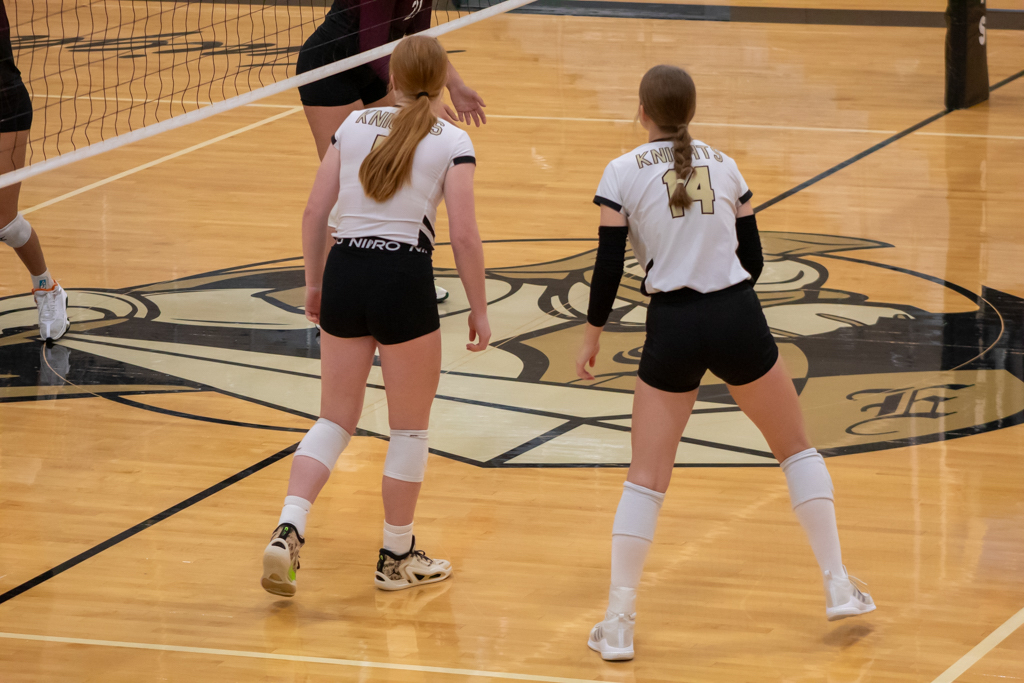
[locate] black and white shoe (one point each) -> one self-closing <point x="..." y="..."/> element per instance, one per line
<point x="281" y="561"/>
<point x="398" y="572"/>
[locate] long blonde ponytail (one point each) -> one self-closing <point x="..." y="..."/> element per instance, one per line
<point x="419" y="69"/>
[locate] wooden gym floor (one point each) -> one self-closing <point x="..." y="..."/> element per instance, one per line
<point x="143" y="458"/>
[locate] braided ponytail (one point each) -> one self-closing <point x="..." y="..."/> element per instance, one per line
<point x="682" y="145"/>
<point x="669" y="97"/>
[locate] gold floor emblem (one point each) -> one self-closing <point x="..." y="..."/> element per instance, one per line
<point x="873" y="370"/>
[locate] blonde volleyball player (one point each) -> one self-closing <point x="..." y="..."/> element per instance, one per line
<point x="686" y="210"/>
<point x="15" y="121"/>
<point x="351" y="27"/>
<point x="387" y="170"/>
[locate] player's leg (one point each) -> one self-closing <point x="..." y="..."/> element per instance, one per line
<point x="345" y="365"/>
<point x="325" y="121"/>
<point x="666" y="389"/>
<point x="748" y="361"/>
<point x="411" y="372"/>
<point x="406" y="324"/>
<point x="51" y="299"/>
<point x="659" y="418"/>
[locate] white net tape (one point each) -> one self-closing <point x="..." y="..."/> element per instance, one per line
<point x="189" y="99"/>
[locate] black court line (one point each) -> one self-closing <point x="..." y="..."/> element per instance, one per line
<point x="1009" y="79"/>
<point x="852" y="160"/>
<point x="142" y="526"/>
<point x="871" y="150"/>
<point x="216" y="488"/>
<point x="995" y="18"/>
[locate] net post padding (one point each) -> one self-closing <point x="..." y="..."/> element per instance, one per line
<point x="22" y="174"/>
<point x="966" y="58"/>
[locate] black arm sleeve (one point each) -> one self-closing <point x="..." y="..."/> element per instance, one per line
<point x="611" y="258"/>
<point x="749" y="249"/>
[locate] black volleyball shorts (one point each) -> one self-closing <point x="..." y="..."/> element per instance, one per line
<point x="359" y="84"/>
<point x="378" y="288"/>
<point x="15" y="103"/>
<point x="689" y="333"/>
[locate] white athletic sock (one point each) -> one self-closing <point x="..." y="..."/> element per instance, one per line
<point x="632" y="534"/>
<point x="810" y="492"/>
<point x="44" y="281"/>
<point x="294" y="512"/>
<point x="398" y="539"/>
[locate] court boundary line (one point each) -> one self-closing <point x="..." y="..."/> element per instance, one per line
<point x="968" y="660"/>
<point x="331" y="661"/>
<point x="852" y="160"/>
<point x="156" y="162"/>
<point x="769" y="126"/>
<point x="978" y="652"/>
<point x="145" y="524"/>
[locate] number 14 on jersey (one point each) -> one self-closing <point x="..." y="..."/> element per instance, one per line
<point x="698" y="186"/>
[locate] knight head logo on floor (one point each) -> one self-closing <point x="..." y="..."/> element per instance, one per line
<point x="882" y="356"/>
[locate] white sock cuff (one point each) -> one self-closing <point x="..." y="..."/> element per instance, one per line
<point x="622" y="600"/>
<point x="298" y="502"/>
<point x="398" y="530"/>
<point x="807" y="477"/>
<point x="398" y="539"/>
<point x="638" y="510"/>
<point x="324" y="442"/>
<point x="17" y="233"/>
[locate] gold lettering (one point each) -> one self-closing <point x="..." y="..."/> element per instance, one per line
<point x="663" y="155"/>
<point x="718" y="155"/>
<point x="642" y="160"/>
<point x="362" y="117"/>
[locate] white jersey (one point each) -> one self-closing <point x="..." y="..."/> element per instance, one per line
<point x="409" y="216"/>
<point x="695" y="248"/>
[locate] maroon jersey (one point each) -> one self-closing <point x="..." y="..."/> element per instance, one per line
<point x="366" y="24"/>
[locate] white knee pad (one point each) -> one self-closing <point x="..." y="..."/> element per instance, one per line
<point x="807" y="477"/>
<point x="638" y="512"/>
<point x="17" y="233"/>
<point x="324" y="442"/>
<point x="407" y="455"/>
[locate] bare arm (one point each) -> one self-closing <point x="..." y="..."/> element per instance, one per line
<point x="314" y="228"/>
<point x="469" y="251"/>
<point x="468" y="104"/>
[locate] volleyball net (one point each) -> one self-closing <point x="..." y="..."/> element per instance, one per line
<point x="105" y="73"/>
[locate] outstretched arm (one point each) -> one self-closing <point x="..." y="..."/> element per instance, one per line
<point x="468" y="104"/>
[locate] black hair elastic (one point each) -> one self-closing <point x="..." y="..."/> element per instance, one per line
<point x="422" y="94"/>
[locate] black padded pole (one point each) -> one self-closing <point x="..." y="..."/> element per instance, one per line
<point x="966" y="57"/>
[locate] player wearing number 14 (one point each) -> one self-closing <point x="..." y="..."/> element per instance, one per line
<point x="686" y="209"/>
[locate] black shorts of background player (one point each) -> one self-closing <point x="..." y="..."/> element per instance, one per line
<point x="686" y="209"/>
<point x="350" y="28"/>
<point x="15" y="122"/>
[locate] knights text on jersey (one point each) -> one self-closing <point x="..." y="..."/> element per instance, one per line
<point x="695" y="248"/>
<point x="409" y="216"/>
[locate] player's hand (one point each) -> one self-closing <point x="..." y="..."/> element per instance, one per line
<point x="587" y="355"/>
<point x="313" y="304"/>
<point x="449" y="115"/>
<point x="468" y="104"/>
<point x="480" y="330"/>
